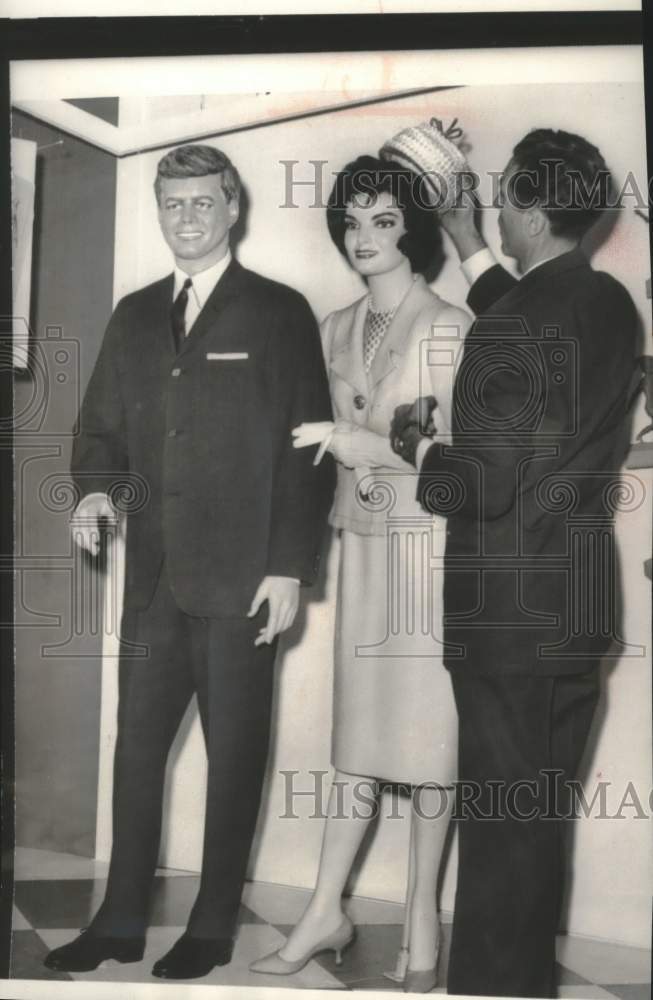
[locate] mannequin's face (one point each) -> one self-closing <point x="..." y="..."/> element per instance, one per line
<point x="195" y="219"/>
<point x="373" y="227"/>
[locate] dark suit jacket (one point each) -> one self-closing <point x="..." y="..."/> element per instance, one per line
<point x="539" y="434"/>
<point x="228" y="500"/>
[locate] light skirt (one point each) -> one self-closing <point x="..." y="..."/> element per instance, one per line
<point x="394" y="712"/>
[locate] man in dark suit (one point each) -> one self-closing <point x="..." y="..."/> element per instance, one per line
<point x="200" y="379"/>
<point x="539" y="435"/>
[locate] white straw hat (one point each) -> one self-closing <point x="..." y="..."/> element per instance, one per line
<point x="430" y="152"/>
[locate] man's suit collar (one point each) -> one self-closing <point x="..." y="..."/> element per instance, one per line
<point x="557" y="265"/>
<point x="229" y="286"/>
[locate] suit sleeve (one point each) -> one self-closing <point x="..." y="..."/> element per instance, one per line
<point x="477" y="476"/>
<point x="99" y="454"/>
<point x="302" y="493"/>
<point x="489" y="288"/>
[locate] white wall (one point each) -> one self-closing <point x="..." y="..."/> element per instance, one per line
<point x="610" y="896"/>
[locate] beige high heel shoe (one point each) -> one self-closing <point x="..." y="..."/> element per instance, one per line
<point x="424" y="980"/>
<point x="274" y="965"/>
<point x="398" y="974"/>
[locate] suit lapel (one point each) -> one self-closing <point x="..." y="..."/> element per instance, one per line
<point x="347" y="361"/>
<point x="229" y="286"/>
<point x="159" y="313"/>
<point x="393" y="346"/>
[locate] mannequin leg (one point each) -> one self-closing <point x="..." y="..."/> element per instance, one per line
<point x="430" y="820"/>
<point x="342" y="839"/>
<point x="398" y="974"/>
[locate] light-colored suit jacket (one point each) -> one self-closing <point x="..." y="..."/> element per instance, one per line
<point x="417" y="357"/>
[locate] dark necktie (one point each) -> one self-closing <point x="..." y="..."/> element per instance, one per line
<point x="178" y="315"/>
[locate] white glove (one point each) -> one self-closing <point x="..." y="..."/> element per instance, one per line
<point x="317" y="432"/>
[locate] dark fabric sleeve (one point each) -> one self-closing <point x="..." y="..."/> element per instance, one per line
<point x="477" y="476"/>
<point x="302" y="493"/>
<point x="492" y="285"/>
<point x="99" y="454"/>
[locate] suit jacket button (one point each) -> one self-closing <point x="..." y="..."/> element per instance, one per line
<point x="172" y="432"/>
<point x="359" y="401"/>
<point x="176" y="372"/>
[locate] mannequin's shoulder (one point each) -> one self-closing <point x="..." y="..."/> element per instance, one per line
<point x="440" y="317"/>
<point x="337" y="325"/>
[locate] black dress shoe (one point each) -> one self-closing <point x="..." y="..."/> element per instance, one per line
<point x="88" y="950"/>
<point x="190" y="958"/>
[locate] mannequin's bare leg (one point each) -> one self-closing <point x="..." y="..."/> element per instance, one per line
<point x="430" y="820"/>
<point x="343" y="833"/>
<point x="398" y="974"/>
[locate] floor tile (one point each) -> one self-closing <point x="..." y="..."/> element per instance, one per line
<point x="18" y="921"/>
<point x="378" y="984"/>
<point x="67" y="903"/>
<point x="27" y="953"/>
<point x="281" y="904"/>
<point x="630" y="991"/>
<point x="31" y="863"/>
<point x="565" y="977"/>
<point x="278" y="904"/>
<point x="173" y="899"/>
<point x="603" y="962"/>
<point x="374" y="911"/>
<point x="587" y="992"/>
<point x="71" y="903"/>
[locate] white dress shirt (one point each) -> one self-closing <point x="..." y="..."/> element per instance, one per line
<point x="203" y="285"/>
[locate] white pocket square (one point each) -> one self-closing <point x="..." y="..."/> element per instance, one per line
<point x="230" y="356"/>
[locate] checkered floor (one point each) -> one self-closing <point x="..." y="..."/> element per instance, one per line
<point x="56" y="894"/>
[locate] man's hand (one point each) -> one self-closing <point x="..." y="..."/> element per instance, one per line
<point x="410" y="425"/>
<point x="460" y="224"/>
<point x="85" y="522"/>
<point x="282" y="595"/>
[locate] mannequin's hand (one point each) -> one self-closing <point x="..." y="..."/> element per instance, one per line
<point x="282" y="595"/>
<point x="353" y="446"/>
<point x="85" y="522"/>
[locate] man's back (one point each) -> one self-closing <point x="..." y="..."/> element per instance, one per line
<point x="540" y="423"/>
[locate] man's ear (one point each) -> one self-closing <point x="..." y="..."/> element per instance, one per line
<point x="536" y="221"/>
<point x="233" y="208"/>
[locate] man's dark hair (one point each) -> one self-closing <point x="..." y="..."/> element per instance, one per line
<point x="370" y="176"/>
<point x="565" y="175"/>
<point x="198" y="161"/>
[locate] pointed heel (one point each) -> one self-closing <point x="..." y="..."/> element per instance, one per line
<point x="275" y="965"/>
<point x="398" y="974"/>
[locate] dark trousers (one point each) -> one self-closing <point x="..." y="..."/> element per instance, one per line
<point x="217" y="660"/>
<point x="511" y="868"/>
